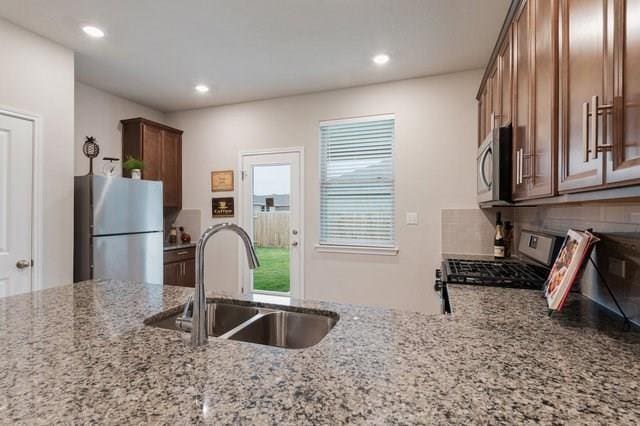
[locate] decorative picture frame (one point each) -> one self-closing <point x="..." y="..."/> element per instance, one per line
<point x="222" y="181"/>
<point x="222" y="207"/>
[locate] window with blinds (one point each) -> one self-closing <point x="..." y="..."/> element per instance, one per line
<point x="357" y="182"/>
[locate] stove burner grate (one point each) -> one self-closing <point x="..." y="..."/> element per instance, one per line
<point x="500" y="273"/>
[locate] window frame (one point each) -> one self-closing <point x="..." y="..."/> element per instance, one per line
<point x="384" y="249"/>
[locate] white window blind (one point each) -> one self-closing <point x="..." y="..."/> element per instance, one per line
<point x="357" y="182"/>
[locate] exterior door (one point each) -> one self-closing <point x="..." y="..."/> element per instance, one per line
<point x="16" y="194"/>
<point x="623" y="165"/>
<point x="583" y="57"/>
<point x="271" y="214"/>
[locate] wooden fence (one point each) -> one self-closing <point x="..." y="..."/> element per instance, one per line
<point x="271" y="229"/>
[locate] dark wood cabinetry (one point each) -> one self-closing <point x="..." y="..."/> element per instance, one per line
<point x="535" y="106"/>
<point x="521" y="96"/>
<point x="599" y="94"/>
<point x="494" y="105"/>
<point x="574" y="92"/>
<point x="180" y="267"/>
<point x="505" y="65"/>
<point x="160" y="148"/>
<point x="623" y="163"/>
<point x="582" y="58"/>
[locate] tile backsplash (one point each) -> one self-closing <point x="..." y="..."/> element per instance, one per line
<point x="620" y="223"/>
<point x="603" y="218"/>
<point x="190" y="219"/>
<point x="471" y="231"/>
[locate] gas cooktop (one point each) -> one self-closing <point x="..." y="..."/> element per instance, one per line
<point x="507" y="273"/>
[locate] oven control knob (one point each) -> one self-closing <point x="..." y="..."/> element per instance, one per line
<point x="438" y="273"/>
<point x="438" y="286"/>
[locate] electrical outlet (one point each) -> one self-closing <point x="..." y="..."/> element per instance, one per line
<point x="412" y="218"/>
<point x="618" y="267"/>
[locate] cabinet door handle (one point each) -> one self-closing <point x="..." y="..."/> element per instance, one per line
<point x="594" y="125"/>
<point x="518" y="167"/>
<point x="182" y="253"/>
<point x="585" y="131"/>
<point x="596" y="111"/>
<point x="521" y="166"/>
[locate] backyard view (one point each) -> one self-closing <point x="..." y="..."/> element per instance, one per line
<point x="271" y="227"/>
<point x="273" y="274"/>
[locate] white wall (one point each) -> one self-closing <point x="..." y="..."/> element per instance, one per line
<point x="435" y="166"/>
<point x="37" y="77"/>
<point x="98" y="114"/>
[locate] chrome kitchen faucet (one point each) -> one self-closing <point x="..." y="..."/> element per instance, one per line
<point x="199" y="315"/>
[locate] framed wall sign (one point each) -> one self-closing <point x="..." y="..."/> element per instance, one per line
<point x="222" y="180"/>
<point x="222" y="207"/>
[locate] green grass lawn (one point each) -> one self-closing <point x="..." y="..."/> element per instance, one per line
<point x="273" y="273"/>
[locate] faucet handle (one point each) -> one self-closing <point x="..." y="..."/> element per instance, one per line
<point x="184" y="322"/>
<point x="187" y="307"/>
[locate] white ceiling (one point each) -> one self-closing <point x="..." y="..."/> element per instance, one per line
<point x="155" y="51"/>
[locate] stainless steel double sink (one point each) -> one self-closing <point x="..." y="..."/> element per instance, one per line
<point x="255" y="324"/>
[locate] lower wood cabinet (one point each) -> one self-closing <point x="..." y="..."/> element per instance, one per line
<point x="180" y="267"/>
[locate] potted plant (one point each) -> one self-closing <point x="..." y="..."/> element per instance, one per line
<point x="134" y="166"/>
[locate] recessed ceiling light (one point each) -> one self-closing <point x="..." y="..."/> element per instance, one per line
<point x="381" y="59"/>
<point x="201" y="88"/>
<point x="92" y="31"/>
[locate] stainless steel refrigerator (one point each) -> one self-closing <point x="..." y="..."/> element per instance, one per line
<point x="118" y="230"/>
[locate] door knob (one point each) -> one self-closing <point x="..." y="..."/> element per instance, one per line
<point x="295" y="244"/>
<point x="22" y="264"/>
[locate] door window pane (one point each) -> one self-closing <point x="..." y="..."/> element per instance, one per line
<point x="271" y="215"/>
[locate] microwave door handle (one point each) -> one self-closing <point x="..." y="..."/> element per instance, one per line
<point x="486" y="156"/>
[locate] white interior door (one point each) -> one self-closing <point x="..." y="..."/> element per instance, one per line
<point x="271" y="213"/>
<point x="16" y="195"/>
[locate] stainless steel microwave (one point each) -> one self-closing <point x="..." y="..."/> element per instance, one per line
<point x="494" y="168"/>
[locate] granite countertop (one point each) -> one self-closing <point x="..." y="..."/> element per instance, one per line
<point x="81" y="354"/>
<point x="178" y="246"/>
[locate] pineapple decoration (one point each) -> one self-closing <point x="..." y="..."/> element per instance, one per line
<point x="91" y="150"/>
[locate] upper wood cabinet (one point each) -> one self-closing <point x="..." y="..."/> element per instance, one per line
<point x="521" y="97"/>
<point x="535" y="102"/>
<point x="623" y="165"/>
<point x="484" y="109"/>
<point x="504" y="63"/>
<point x="160" y="148"/>
<point x="599" y="94"/>
<point x="566" y="75"/>
<point x="583" y="55"/>
<point x="494" y="105"/>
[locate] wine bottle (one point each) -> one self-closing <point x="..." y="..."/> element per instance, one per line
<point x="498" y="245"/>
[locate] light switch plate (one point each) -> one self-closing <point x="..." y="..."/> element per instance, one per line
<point x="412" y="218"/>
<point x="618" y="267"/>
